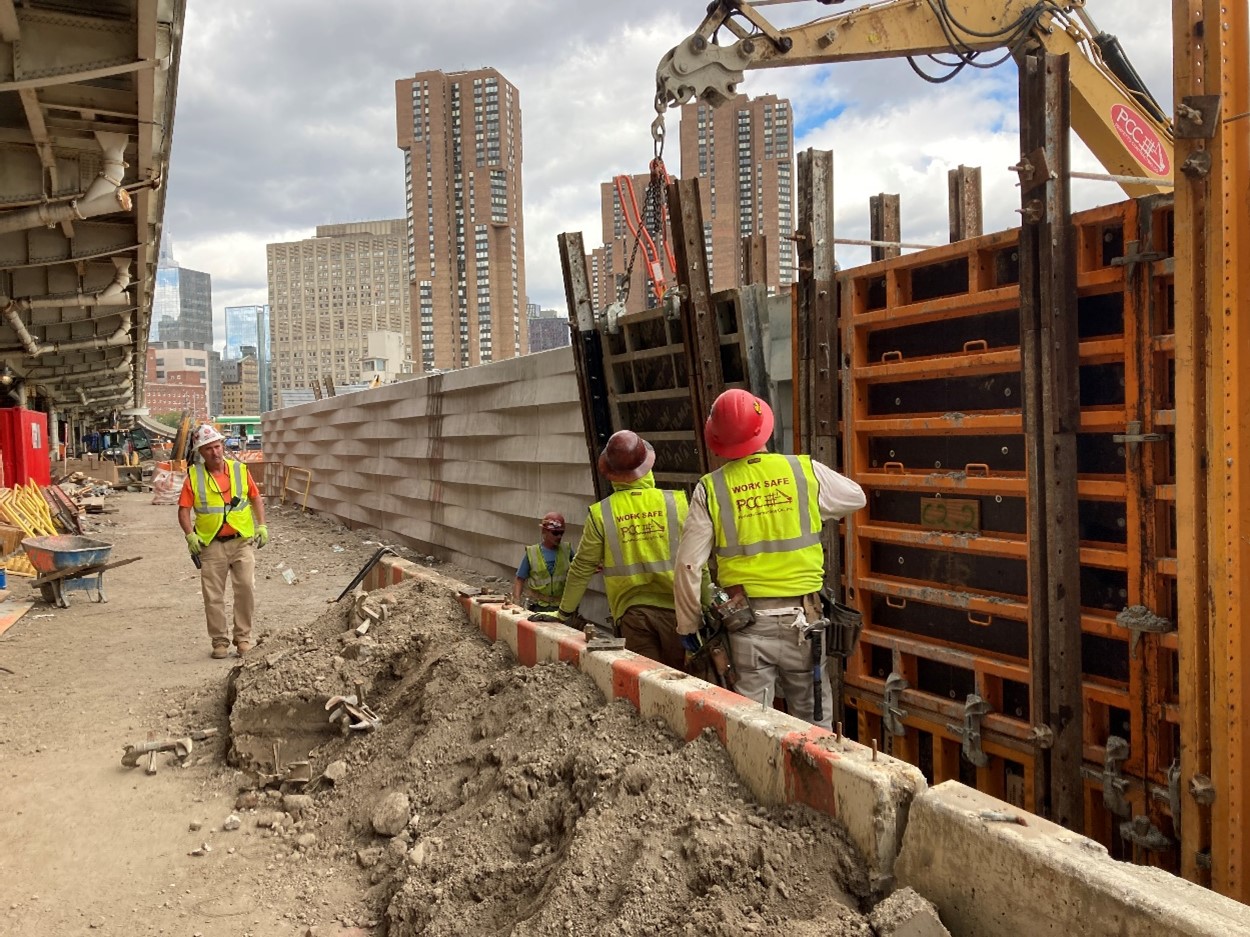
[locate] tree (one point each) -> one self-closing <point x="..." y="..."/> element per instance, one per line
<point x="173" y="419"/>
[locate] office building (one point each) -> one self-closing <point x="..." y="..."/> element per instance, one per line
<point x="743" y="156"/>
<point x="326" y="293"/>
<point x="240" y="391"/>
<point x="461" y="137"/>
<point x="182" y="303"/>
<point x="249" y="326"/>
<point x="548" y="328"/>
<point x="174" y="389"/>
<point x="167" y="358"/>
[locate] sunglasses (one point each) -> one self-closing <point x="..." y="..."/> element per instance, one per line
<point x="555" y="531"/>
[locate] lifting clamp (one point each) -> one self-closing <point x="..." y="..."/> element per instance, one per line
<point x="975" y="709"/>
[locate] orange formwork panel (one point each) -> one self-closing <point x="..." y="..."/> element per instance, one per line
<point x="938" y="562"/>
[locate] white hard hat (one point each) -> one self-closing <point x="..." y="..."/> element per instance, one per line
<point x="204" y="435"/>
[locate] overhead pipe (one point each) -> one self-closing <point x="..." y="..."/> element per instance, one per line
<point x="119" y="337"/>
<point x="74" y="377"/>
<point x="105" y="195"/>
<point x="112" y="295"/>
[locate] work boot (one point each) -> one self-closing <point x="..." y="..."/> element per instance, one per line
<point x="242" y="648"/>
<point x="221" y="651"/>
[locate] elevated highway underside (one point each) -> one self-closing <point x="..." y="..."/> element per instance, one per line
<point x="87" y="90"/>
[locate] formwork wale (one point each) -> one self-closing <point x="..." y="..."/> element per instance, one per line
<point x="946" y="673"/>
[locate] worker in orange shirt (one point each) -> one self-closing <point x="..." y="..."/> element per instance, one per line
<point x="222" y="515"/>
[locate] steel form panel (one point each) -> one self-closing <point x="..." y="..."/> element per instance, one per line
<point x="1126" y="492"/>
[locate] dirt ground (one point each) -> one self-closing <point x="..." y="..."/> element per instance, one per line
<point x="491" y="799"/>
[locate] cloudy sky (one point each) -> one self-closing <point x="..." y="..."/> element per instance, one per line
<point x="286" y="119"/>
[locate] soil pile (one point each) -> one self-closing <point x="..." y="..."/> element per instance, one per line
<point x="496" y="798"/>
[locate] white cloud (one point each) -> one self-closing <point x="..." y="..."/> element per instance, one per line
<point x="286" y="118"/>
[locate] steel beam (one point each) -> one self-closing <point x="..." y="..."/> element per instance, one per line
<point x="885" y="224"/>
<point x="964" y="204"/>
<point x="587" y="352"/>
<point x="1212" y="42"/>
<point x="1049" y="355"/>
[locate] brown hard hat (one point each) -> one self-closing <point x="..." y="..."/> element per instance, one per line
<point x="626" y="458"/>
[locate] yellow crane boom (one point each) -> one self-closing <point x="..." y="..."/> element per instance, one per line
<point x="1111" y="109"/>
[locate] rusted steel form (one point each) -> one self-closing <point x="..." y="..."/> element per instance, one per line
<point x="964" y="202"/>
<point x="1212" y="72"/>
<point x="939" y="562"/>
<point x="656" y="372"/>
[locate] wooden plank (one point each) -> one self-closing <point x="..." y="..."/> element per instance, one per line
<point x="1049" y="352"/>
<point x="11" y="611"/>
<point x="964" y="185"/>
<point x="885" y="224"/>
<point x="587" y="352"/>
<point x="752" y="311"/>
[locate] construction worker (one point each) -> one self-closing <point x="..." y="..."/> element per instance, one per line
<point x="762" y="513"/>
<point x="632" y="535"/>
<point x="221" y="513"/>
<point x="540" y="578"/>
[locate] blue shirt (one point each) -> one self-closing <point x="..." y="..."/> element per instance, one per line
<point x="549" y="556"/>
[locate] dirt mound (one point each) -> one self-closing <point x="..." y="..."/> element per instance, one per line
<point x="496" y="798"/>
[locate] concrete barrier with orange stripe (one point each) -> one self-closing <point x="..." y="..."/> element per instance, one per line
<point x="780" y="758"/>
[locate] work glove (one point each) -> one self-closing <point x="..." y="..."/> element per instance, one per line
<point x="557" y="616"/>
<point x="193" y="544"/>
<point x="262" y="536"/>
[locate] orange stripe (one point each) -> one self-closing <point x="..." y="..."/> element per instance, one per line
<point x="707" y="709"/>
<point x="527" y="642"/>
<point x="626" y="672"/>
<point x="809" y="770"/>
<point x="571" y="649"/>
<point x="489" y="619"/>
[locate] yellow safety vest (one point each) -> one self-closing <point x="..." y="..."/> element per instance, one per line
<point x="641" y="528"/>
<point x="767" y="522"/>
<point x="212" y="510"/>
<point x="547" y="585"/>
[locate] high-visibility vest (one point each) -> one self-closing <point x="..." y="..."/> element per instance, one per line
<point x="543" y="584"/>
<point x="641" y="528"/>
<point x="766" y="519"/>
<point x="212" y="510"/>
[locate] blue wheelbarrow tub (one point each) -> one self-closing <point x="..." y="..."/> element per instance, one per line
<point x="53" y="554"/>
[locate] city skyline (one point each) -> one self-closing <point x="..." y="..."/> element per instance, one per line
<point x="311" y="158"/>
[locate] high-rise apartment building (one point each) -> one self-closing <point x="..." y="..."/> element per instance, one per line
<point x="182" y="303"/>
<point x="327" y="292"/>
<point x="461" y="137"/>
<point x="240" y="390"/>
<point x="249" y="325"/>
<point x="743" y="155"/>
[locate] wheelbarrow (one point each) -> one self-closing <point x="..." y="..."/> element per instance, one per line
<point x="70" y="564"/>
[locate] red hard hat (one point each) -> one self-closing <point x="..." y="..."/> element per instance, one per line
<point x="626" y="458"/>
<point x="552" y="520"/>
<point x="739" y="424"/>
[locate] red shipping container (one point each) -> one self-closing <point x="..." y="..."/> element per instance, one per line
<point x="24" y="445"/>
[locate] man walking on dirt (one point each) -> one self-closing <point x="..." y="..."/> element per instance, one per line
<point x="221" y="513"/>
<point x="762" y="513"/>
<point x="540" y="578"/>
<point x="632" y="535"/>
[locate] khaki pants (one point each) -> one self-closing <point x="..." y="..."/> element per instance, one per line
<point x="652" y="632"/>
<point x="236" y="558"/>
<point x="769" y="655"/>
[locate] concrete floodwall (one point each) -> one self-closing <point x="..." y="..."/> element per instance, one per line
<point x="460" y="464"/>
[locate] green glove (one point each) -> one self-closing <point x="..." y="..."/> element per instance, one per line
<point x="558" y="616"/>
<point x="262" y="536"/>
<point x="193" y="544"/>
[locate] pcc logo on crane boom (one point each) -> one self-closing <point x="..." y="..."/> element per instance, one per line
<point x="1141" y="140"/>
